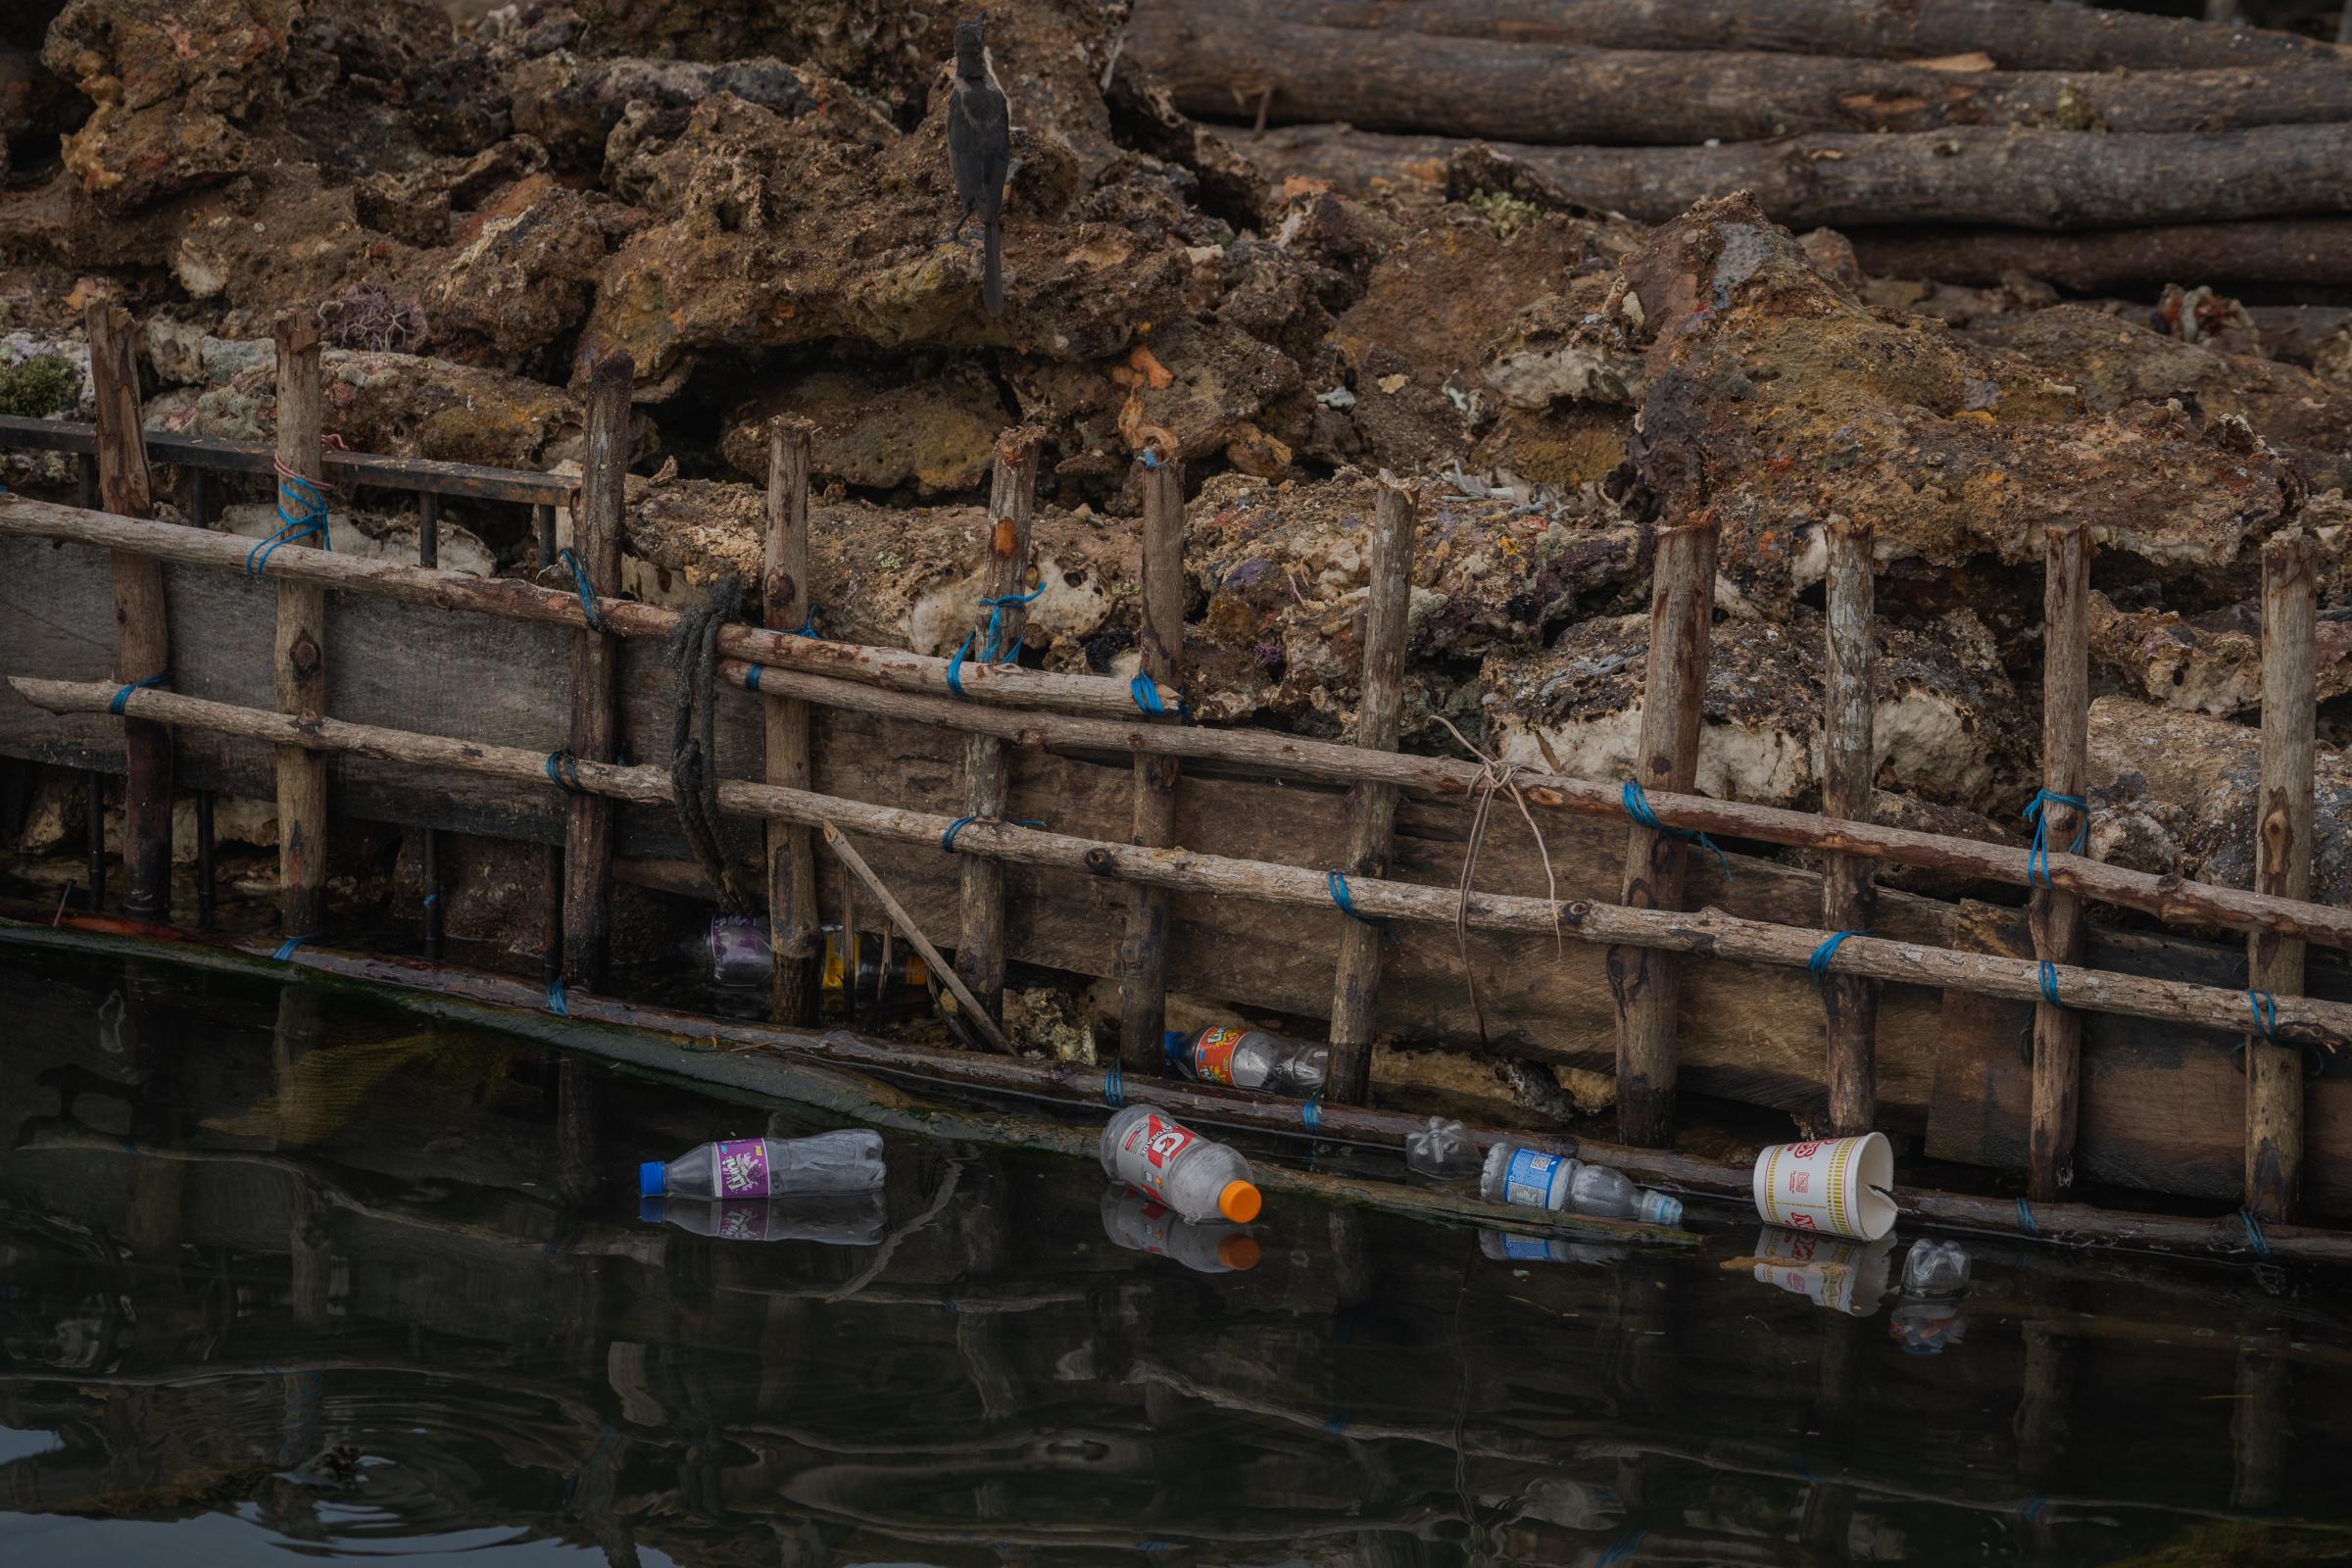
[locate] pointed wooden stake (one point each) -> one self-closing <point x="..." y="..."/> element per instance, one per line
<point x="785" y="606"/>
<point x="2282" y="851"/>
<point x="301" y="649"/>
<point x="2056" y="915"/>
<point x="595" y="672"/>
<point x="1143" y="956"/>
<point x="1848" y="897"/>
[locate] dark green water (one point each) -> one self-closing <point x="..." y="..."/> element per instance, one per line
<point x="324" y="1281"/>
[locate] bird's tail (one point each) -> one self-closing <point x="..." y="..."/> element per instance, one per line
<point x="991" y="268"/>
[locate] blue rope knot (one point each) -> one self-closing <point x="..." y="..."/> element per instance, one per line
<point x="2049" y="984"/>
<point x="1310" y="1115"/>
<point x="2265" y="1008"/>
<point x="956" y="666"/>
<point x="2025" y="1218"/>
<point x="580" y="578"/>
<point x="1147" y="457"/>
<point x="1637" y="807"/>
<point x="1114" y="1091"/>
<point x="285" y="949"/>
<point x="2038" y="859"/>
<point x="2254" y="1234"/>
<point x="563" y="771"/>
<point x="1146" y="693"/>
<point x="947" y="840"/>
<point x="1819" y="963"/>
<point x="115" y="703"/>
<point x="808" y="628"/>
<point x="750" y="678"/>
<point x="554" y="999"/>
<point x="1337" y="886"/>
<point x="996" y="624"/>
<point x="312" y="524"/>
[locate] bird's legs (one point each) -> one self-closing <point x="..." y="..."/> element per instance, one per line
<point x="954" y="236"/>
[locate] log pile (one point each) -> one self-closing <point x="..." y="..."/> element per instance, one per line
<point x="2099" y="147"/>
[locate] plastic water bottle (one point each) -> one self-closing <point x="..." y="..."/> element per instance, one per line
<point x="740" y="955"/>
<point x="1147" y="1148"/>
<point x="1142" y="1223"/>
<point x="769" y="1168"/>
<point x="1442" y="1149"/>
<point x="1935" y="1270"/>
<point x="1534" y="1179"/>
<point x="1249" y="1058"/>
<point x="839" y="1219"/>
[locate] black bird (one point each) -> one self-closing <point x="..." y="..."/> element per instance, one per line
<point x="980" y="151"/>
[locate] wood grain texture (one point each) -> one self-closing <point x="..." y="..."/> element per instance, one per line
<point x="299" y="655"/>
<point x="1372" y="808"/>
<point x="595" y="670"/>
<point x="786" y="607"/>
<point x="1144" y="982"/>
<point x="2274" y="1131"/>
<point x="1848" y="895"/>
<point x="2057" y="914"/>
<point x="1644" y="980"/>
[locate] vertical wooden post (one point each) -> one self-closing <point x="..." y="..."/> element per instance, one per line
<point x="2057" y="917"/>
<point x="2282" y="850"/>
<point x="987" y="781"/>
<point x="428" y="528"/>
<point x="1643" y="983"/>
<point x="428" y="554"/>
<point x="301" y="648"/>
<point x="142" y="637"/>
<point x="1143" y="956"/>
<point x="543" y="517"/>
<point x="1372" y="808"/>
<point x="785" y="605"/>
<point x="2261" y="1429"/>
<point x="1848" y="893"/>
<point x="93" y="834"/>
<point x="86" y="481"/>
<point x="207" y="878"/>
<point x="595" y="675"/>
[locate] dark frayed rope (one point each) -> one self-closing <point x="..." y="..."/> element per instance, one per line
<point x="554" y="999"/>
<point x="579" y="576"/>
<point x="2038" y="859"/>
<point x="2025" y="1217"/>
<point x="1819" y="963"/>
<point x="563" y="771"/>
<point x="1337" y="886"/>
<point x="312" y="524"/>
<point x="1114" y="1093"/>
<point x="115" y="703"/>
<point x="1637" y="807"/>
<point x="694" y="737"/>
<point x="285" y="949"/>
<point x="2254" y="1234"/>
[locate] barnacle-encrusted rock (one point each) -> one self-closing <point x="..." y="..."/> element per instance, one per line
<point x="2208" y="664"/>
<point x="929" y="433"/>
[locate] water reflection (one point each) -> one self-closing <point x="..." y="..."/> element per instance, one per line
<point x="357" y="1289"/>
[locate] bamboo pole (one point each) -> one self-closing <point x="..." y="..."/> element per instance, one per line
<point x="2283" y="849"/>
<point x="595" y="674"/>
<point x="2324" y="1024"/>
<point x="1644" y="981"/>
<point x="1143" y="957"/>
<point x="142" y="631"/>
<point x="301" y="645"/>
<point x="1848" y="897"/>
<point x="894" y="684"/>
<point x="2059" y="933"/>
<point x="786" y="607"/>
<point x="978" y="1017"/>
<point x="1372" y="808"/>
<point x="987" y="777"/>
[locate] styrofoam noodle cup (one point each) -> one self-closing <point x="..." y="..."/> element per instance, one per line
<point x="1849" y="1277"/>
<point x="1834" y="1186"/>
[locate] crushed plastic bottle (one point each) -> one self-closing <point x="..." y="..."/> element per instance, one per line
<point x="837" y="1219"/>
<point x="1249" y="1058"/>
<point x="740" y="953"/>
<point x="1147" y="1148"/>
<point x="1534" y="1179"/>
<point x="1142" y="1223"/>
<point x="1443" y="1149"/>
<point x="848" y="1162"/>
<point x="1935" y="1270"/>
<point x="1924" y="1327"/>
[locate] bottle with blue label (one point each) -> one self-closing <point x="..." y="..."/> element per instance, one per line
<point x="769" y="1168"/>
<point x="1533" y="1178"/>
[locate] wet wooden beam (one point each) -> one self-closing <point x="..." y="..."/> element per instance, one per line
<point x="2282" y="851"/>
<point x="1144" y="980"/>
<point x="987" y="779"/>
<point x="1849" y="895"/>
<point x="142" y="633"/>
<point x="595" y="674"/>
<point x="786" y="607"/>
<point x="2057" y="914"/>
<point x="1643" y="980"/>
<point x="967" y="1006"/>
<point x="301" y="645"/>
<point x="1371" y="807"/>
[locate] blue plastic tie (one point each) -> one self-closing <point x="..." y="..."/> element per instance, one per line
<point x="554" y="999"/>
<point x="750" y="678"/>
<point x="115" y="703"/>
<point x="563" y="771"/>
<point x="2025" y="1217"/>
<point x="2031" y="1509"/>
<point x="2038" y="859"/>
<point x="312" y="522"/>
<point x="1637" y="807"/>
<point x="2254" y="1235"/>
<point x="956" y="666"/>
<point x="808" y="628"/>
<point x="285" y="949"/>
<point x="431" y="899"/>
<point x="1310" y="1115"/>
<point x="1819" y="963"/>
<point x="580" y="578"/>
<point x="2049" y="984"/>
<point x="1147" y="457"/>
<point x="2266" y="1013"/>
<point x="1114" y="1092"/>
<point x="1147" y="694"/>
<point x="996" y="624"/>
<point x="1337" y="886"/>
<point x="1622" y="1548"/>
<point x="947" y="840"/>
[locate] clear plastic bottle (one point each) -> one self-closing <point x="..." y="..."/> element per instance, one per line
<point x="837" y="1219"/>
<point x="1442" y="1149"/>
<point x="1142" y="1223"/>
<point x="1534" y="1179"/>
<point x="849" y="1161"/>
<point x="1249" y="1058"/>
<point x="1935" y="1270"/>
<point x="1147" y="1148"/>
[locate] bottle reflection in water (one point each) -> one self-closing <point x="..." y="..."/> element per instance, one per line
<point x="1507" y="1246"/>
<point x="742" y="959"/>
<point x="1142" y="1223"/>
<point x="844" y="1219"/>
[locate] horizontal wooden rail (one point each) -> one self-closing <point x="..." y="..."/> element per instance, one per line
<point x="516" y="600"/>
<point x="2299" y="1020"/>
<point x="896" y="684"/>
<point x="345" y="469"/>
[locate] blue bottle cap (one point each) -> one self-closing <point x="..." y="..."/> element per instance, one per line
<point x="1173" y="1042"/>
<point x="649" y="1177"/>
<point x="651" y="1209"/>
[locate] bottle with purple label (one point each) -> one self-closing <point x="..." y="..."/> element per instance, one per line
<point x="837" y="1219"/>
<point x="769" y="1168"/>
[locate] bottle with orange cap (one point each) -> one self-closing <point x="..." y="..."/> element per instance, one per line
<point x="1152" y="1150"/>
<point x="1142" y="1223"/>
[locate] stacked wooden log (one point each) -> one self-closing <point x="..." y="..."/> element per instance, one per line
<point x="1956" y="140"/>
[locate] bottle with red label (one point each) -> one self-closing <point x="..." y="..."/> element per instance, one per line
<point x="848" y="1162"/>
<point x="1152" y="1152"/>
<point x="1142" y="1223"/>
<point x="1249" y="1058"/>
